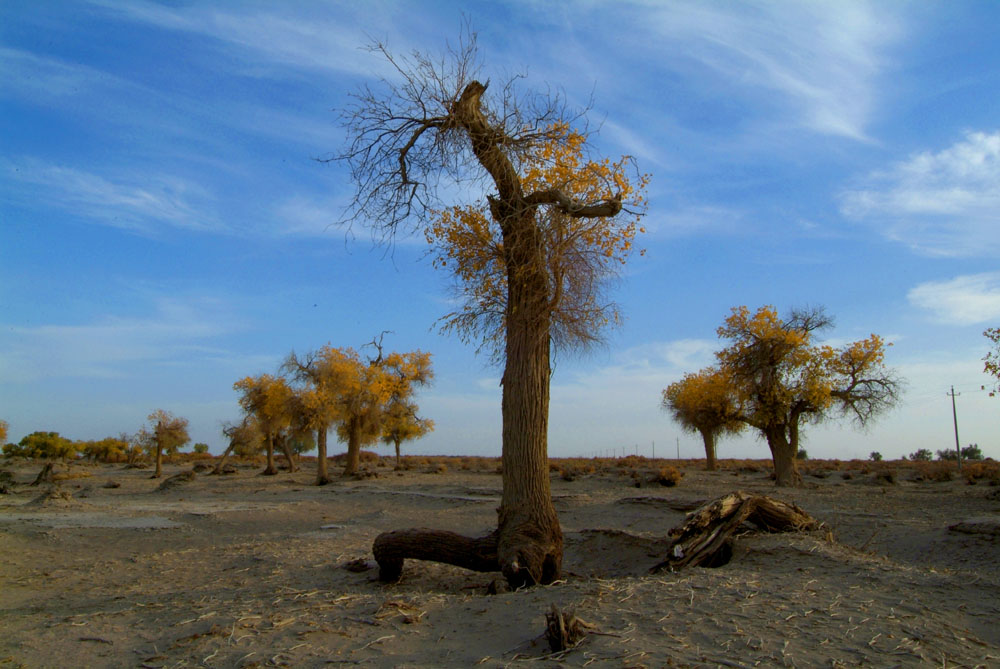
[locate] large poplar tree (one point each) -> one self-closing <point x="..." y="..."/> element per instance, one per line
<point x="530" y="257"/>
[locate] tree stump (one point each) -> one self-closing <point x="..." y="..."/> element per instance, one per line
<point x="705" y="538"/>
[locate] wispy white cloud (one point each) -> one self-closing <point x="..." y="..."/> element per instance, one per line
<point x="942" y="203"/>
<point x="964" y="300"/>
<point x="178" y="330"/>
<point x="137" y="202"/>
<point x="696" y="220"/>
<point x="313" y="40"/>
<point x="823" y="59"/>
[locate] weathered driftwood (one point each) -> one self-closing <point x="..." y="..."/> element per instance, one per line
<point x="705" y="538"/>
<point x="391" y="548"/>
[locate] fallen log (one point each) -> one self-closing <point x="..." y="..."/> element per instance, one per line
<point x="392" y="548"/>
<point x="705" y="538"/>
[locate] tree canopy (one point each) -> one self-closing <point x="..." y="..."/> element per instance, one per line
<point x="780" y="378"/>
<point x="165" y="433"/>
<point x="991" y="362"/>
<point x="267" y="397"/>
<point x="701" y="402"/>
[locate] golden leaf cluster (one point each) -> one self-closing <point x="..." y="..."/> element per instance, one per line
<point x="580" y="253"/>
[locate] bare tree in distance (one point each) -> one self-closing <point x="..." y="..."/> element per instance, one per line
<point x="529" y="258"/>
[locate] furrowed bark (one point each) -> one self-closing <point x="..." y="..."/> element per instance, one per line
<point x="322" y="471"/>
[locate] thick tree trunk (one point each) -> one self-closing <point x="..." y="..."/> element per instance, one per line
<point x="391" y="548"/>
<point x="159" y="462"/>
<point x="270" y="470"/>
<point x="709" y="438"/>
<point x="322" y="472"/>
<point x="286" y="448"/>
<point x="530" y="543"/>
<point x="223" y="459"/>
<point x="783" y="452"/>
<point x="397" y="453"/>
<point x="353" y="456"/>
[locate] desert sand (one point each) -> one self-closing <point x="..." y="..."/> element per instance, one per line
<point x="244" y="571"/>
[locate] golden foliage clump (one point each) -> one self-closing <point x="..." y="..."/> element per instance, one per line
<point x="992" y="360"/>
<point x="580" y="254"/>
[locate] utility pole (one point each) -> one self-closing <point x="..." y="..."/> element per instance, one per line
<point x="954" y="417"/>
<point x="654" y="450"/>
<point x="678" y="447"/>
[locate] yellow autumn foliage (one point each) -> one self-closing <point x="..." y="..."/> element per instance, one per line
<point x="580" y="254"/>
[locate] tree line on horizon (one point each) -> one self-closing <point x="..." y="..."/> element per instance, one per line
<point x="364" y="399"/>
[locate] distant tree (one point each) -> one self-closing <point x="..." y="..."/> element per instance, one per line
<point x="780" y="379"/>
<point x="701" y="402"/>
<point x="992" y="360"/>
<point x="400" y="423"/>
<point x="530" y="258"/>
<point x="109" y="449"/>
<point x="4" y="426"/>
<point x="802" y="454"/>
<point x="323" y="375"/>
<point x="921" y="455"/>
<point x="165" y="433"/>
<point x="267" y="398"/>
<point x="200" y="447"/>
<point x="245" y="440"/>
<point x="970" y="452"/>
<point x="875" y="456"/>
<point x="47" y="445"/>
<point x="370" y="385"/>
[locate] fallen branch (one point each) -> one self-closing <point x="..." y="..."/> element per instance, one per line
<point x="705" y="538"/>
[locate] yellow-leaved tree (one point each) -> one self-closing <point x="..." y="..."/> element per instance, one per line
<point x="245" y="440"/>
<point x="165" y="433"/>
<point x="400" y="423"/>
<point x="267" y="398"/>
<point x="353" y="394"/>
<point x="779" y="379"/>
<point x="531" y="257"/>
<point x="701" y="402"/>
<point x="991" y="363"/>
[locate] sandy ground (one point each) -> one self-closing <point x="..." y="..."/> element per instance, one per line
<point x="244" y="570"/>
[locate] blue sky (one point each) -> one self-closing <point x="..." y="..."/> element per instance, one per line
<point x="165" y="228"/>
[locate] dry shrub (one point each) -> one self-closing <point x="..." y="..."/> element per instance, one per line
<point x="667" y="476"/>
<point x="885" y="476"/>
<point x="934" y="472"/>
<point x="977" y="471"/>
<point x="440" y="468"/>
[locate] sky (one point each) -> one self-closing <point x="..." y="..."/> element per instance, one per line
<point x="166" y="228"/>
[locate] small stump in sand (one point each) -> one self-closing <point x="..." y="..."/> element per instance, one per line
<point x="705" y="538"/>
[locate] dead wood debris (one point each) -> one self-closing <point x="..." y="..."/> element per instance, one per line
<point x="563" y="630"/>
<point x="705" y="538"/>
